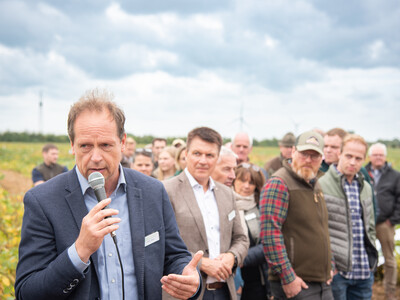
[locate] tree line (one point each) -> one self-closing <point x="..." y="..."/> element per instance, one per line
<point x="29" y="137"/>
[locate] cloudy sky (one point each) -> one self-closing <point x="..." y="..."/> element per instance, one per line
<point x="279" y="65"/>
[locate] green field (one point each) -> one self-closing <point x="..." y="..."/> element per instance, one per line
<point x="20" y="158"/>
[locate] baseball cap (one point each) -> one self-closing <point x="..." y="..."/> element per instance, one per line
<point x="288" y="140"/>
<point x="310" y="140"/>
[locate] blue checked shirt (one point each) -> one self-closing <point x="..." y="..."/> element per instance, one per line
<point x="360" y="264"/>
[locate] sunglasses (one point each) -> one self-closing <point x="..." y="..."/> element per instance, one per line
<point x="248" y="166"/>
<point x="144" y="151"/>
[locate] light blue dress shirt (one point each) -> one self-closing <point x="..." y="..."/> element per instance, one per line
<point x="109" y="270"/>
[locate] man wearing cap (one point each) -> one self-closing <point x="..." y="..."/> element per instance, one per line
<point x="294" y="225"/>
<point x="285" y="147"/>
<point x="351" y="222"/>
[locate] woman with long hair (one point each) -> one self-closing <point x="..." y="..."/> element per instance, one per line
<point x="247" y="188"/>
<point x="166" y="163"/>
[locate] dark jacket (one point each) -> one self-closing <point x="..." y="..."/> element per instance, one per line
<point x="388" y="194"/>
<point x="53" y="215"/>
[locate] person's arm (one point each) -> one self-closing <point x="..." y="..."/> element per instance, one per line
<point x="395" y="217"/>
<point x="43" y="271"/>
<point x="240" y="243"/>
<point x="37" y="177"/>
<point x="182" y="278"/>
<point x="255" y="256"/>
<point x="273" y="207"/>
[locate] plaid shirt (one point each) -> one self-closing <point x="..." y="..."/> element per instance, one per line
<point x="360" y="264"/>
<point x="274" y="206"/>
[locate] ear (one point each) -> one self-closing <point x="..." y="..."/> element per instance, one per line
<point x="72" y="147"/>
<point x="123" y="143"/>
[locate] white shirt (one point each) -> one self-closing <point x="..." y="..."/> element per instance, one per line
<point x="209" y="210"/>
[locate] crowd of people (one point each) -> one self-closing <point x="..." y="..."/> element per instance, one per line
<point x="199" y="220"/>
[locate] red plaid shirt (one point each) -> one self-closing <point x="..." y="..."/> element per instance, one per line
<point x="274" y="205"/>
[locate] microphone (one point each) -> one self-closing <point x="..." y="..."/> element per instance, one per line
<point x="96" y="181"/>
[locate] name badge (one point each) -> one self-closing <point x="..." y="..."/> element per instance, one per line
<point x="151" y="238"/>
<point x="250" y="216"/>
<point x="231" y="215"/>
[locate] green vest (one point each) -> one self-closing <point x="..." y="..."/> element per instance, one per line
<point x="49" y="172"/>
<point x="305" y="230"/>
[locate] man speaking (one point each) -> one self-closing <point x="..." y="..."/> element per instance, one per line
<point x="66" y="251"/>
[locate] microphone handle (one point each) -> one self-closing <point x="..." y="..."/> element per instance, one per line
<point x="101" y="195"/>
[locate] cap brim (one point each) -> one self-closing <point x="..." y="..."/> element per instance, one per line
<point x="309" y="147"/>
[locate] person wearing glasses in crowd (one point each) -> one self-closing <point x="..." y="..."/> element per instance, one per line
<point x="294" y="225"/>
<point x="247" y="188"/>
<point x="143" y="161"/>
<point x="166" y="164"/>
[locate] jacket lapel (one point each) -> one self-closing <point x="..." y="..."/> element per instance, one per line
<point x="77" y="205"/>
<point x="186" y="192"/>
<point x="136" y="220"/>
<point x="223" y="218"/>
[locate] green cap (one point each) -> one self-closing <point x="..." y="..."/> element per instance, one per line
<point x="288" y="140"/>
<point x="310" y="140"/>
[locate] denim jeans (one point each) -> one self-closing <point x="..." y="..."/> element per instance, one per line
<point x="352" y="289"/>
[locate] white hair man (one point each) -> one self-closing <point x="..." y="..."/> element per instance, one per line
<point x="224" y="171"/>
<point x="242" y="144"/>
<point x="386" y="183"/>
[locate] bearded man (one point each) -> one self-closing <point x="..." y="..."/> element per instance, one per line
<point x="294" y="225"/>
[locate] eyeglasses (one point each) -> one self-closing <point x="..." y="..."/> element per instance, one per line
<point x="313" y="157"/>
<point x="248" y="166"/>
<point x="144" y="151"/>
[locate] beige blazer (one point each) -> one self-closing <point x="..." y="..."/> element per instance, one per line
<point x="191" y="224"/>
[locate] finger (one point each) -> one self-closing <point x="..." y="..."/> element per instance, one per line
<point x="177" y="294"/>
<point x="303" y="284"/>
<point x="181" y="283"/>
<point x="105" y="213"/>
<point x="99" y="206"/>
<point x="196" y="259"/>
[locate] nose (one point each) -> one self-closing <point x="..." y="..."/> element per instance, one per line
<point x="232" y="175"/>
<point x="203" y="159"/>
<point x="308" y="158"/>
<point x="96" y="155"/>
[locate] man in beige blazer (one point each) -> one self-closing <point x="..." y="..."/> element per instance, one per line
<point x="206" y="214"/>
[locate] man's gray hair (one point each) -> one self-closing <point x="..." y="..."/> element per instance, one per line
<point x="225" y="152"/>
<point x="377" y="145"/>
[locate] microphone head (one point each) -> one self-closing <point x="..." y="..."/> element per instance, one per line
<point x="96" y="180"/>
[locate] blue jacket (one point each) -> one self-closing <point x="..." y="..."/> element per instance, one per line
<point x="53" y="215"/>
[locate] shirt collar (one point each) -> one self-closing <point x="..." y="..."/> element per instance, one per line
<point x="337" y="171"/>
<point x="83" y="182"/>
<point x="193" y="182"/>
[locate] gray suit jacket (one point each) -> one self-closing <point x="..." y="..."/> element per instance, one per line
<point x="53" y="215"/>
<point x="191" y="224"/>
